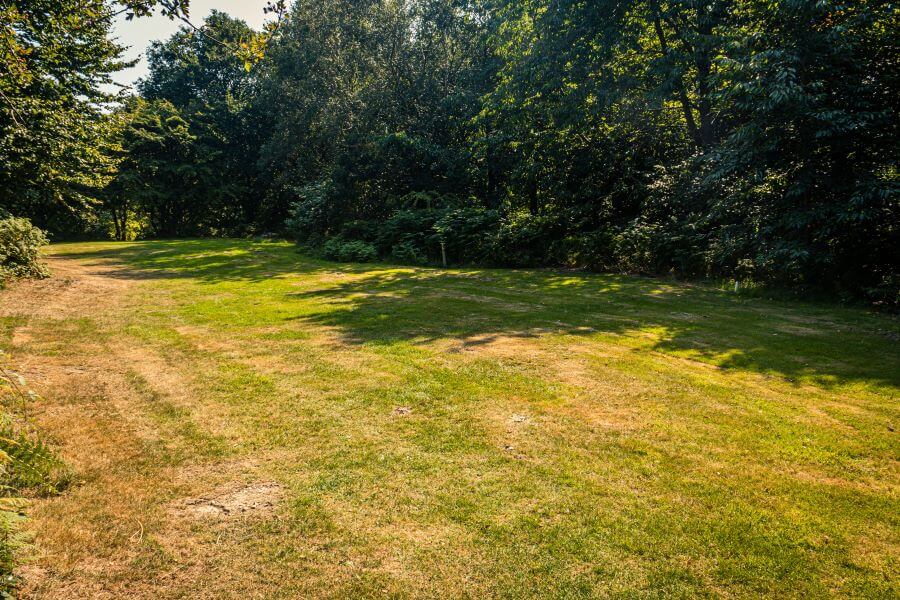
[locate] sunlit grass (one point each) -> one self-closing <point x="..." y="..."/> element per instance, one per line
<point x="561" y="435"/>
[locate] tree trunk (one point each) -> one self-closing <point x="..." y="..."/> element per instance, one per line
<point x="680" y="91"/>
<point x="118" y="227"/>
<point x="533" y="206"/>
<point x="493" y="180"/>
<point x="703" y="63"/>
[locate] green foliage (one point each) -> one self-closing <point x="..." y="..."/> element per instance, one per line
<point x="20" y="249"/>
<point x="28" y="467"/>
<point x="167" y="173"/>
<point x="375" y="97"/>
<point x="530" y="240"/>
<point x="342" y="250"/>
<point x="55" y="56"/>
<point x="204" y="78"/>
<point x="311" y="215"/>
<point x="468" y="234"/>
<point x="408" y="253"/>
<point x="732" y="139"/>
<point x="742" y="136"/>
<point x="413" y="228"/>
<point x="9" y="540"/>
<point x="199" y="69"/>
<point x="803" y="186"/>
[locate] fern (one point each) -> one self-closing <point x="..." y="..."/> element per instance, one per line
<point x="28" y="467"/>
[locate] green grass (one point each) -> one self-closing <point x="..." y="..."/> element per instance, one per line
<point x="570" y="435"/>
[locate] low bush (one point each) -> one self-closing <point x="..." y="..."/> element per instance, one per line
<point x="20" y="249"/>
<point x="468" y="234"/>
<point x="365" y="231"/>
<point x="410" y="228"/>
<point x="408" y="253"/>
<point x="595" y="250"/>
<point x="343" y="250"/>
<point x="311" y="214"/>
<point x="28" y="466"/>
<point x="530" y="241"/>
<point x="887" y="294"/>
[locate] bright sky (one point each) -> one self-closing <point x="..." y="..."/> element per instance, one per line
<point x="138" y="33"/>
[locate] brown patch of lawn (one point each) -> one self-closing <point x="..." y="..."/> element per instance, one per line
<point x="247" y="422"/>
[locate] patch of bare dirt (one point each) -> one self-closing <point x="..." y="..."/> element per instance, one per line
<point x="233" y="501"/>
<point x="75" y="289"/>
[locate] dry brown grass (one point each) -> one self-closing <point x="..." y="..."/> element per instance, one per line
<point x="234" y="438"/>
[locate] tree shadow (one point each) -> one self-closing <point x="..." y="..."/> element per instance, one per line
<point x="801" y="342"/>
<point x="378" y="304"/>
<point x="203" y="260"/>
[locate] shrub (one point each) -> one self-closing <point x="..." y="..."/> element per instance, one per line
<point x="414" y="227"/>
<point x="468" y="233"/>
<point x="427" y="201"/>
<point x="594" y="250"/>
<point x="9" y="540"/>
<point x="29" y="466"/>
<point x="530" y="241"/>
<point x="312" y="213"/>
<point x="349" y="251"/>
<point x="408" y="253"/>
<point x="887" y="294"/>
<point x="366" y="231"/>
<point x="637" y="247"/>
<point x="20" y="249"/>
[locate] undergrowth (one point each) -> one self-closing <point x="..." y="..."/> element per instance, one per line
<point x="29" y="468"/>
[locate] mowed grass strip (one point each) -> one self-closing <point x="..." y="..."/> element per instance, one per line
<point x="478" y="433"/>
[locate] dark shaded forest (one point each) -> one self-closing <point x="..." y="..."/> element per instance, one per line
<point x="745" y="140"/>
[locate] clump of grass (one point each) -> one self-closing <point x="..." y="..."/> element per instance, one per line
<point x="28" y="468"/>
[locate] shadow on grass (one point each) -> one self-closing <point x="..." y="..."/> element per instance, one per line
<point x="209" y="260"/>
<point x="798" y="342"/>
<point x="383" y="305"/>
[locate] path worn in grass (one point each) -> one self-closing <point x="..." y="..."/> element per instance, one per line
<point x="250" y="423"/>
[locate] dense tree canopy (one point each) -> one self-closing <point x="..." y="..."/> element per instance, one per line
<point x="747" y="139"/>
<point x="55" y="56"/>
<point x="189" y="150"/>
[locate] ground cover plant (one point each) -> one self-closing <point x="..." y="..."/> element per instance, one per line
<point x="246" y="421"/>
<point x="29" y="468"/>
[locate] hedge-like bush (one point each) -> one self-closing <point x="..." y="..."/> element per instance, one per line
<point x="20" y="249"/>
<point x="349" y="251"/>
<point x="408" y="253"/>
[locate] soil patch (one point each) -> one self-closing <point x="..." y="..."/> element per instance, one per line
<point x="230" y="502"/>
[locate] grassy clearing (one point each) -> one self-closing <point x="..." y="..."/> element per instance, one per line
<point x="462" y="433"/>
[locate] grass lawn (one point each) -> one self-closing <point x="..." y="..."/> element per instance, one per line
<point x="248" y="422"/>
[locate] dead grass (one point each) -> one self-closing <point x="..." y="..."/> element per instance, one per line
<point x="301" y="431"/>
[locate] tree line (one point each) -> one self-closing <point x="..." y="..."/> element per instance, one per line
<point x="753" y="140"/>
